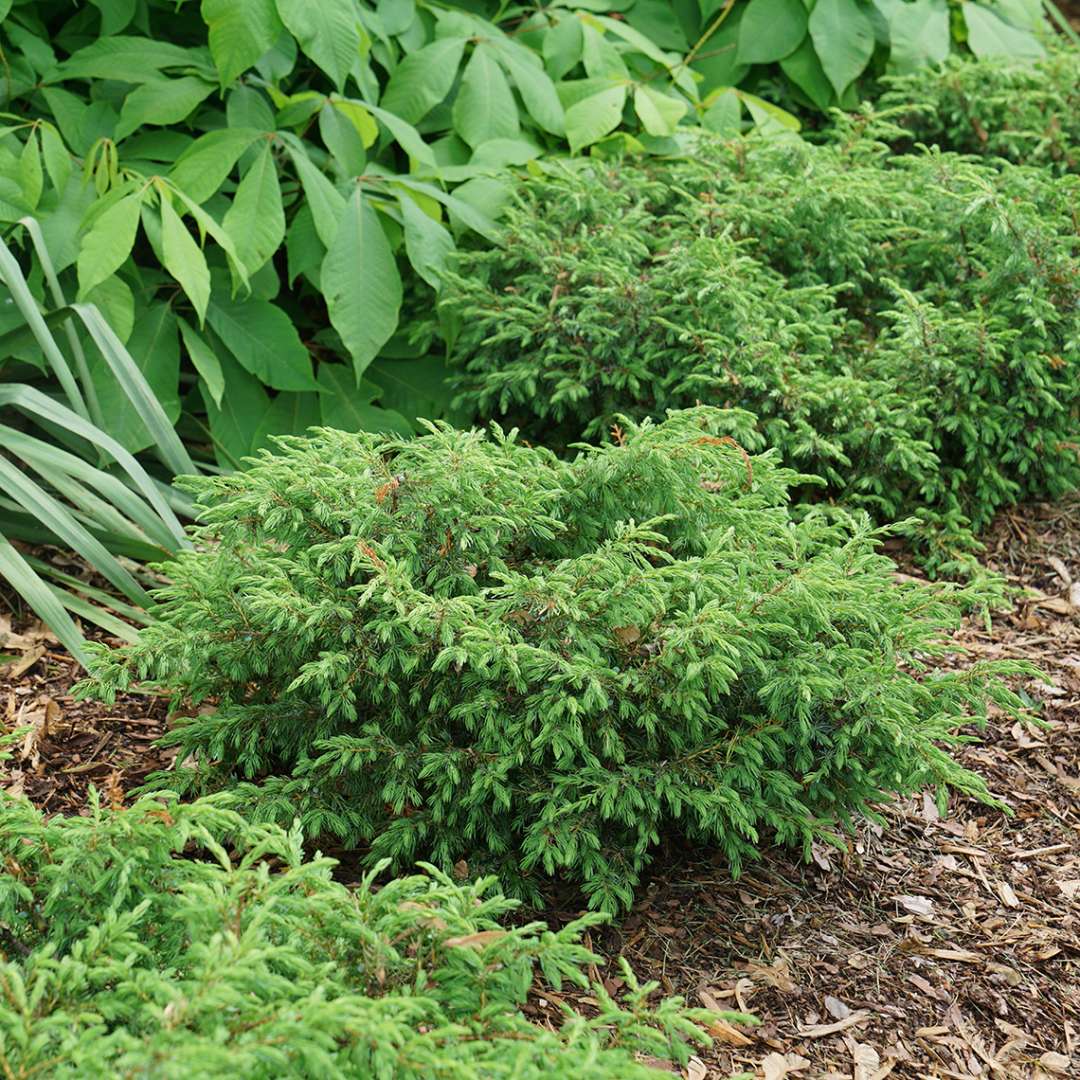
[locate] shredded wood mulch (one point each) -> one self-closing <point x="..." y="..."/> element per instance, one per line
<point x="70" y="745"/>
<point x="937" y="947"/>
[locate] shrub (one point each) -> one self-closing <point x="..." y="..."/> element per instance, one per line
<point x="466" y="649"/>
<point x="908" y="328"/>
<point x="174" y="940"/>
<point x="1027" y="113"/>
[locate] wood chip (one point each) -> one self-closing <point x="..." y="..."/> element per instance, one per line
<point x="917" y="905"/>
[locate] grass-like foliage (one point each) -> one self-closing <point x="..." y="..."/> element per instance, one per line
<point x="460" y="647"/>
<point x="1027" y="113"/>
<point x="906" y="327"/>
<point x="180" y="941"/>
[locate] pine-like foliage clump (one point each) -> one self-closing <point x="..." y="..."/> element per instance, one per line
<point x="1027" y="113"/>
<point x="459" y="647"/>
<point x="182" y="942"/>
<point x="906" y="327"/>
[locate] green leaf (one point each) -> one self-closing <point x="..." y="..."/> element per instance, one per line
<point x="115" y="300"/>
<point x="343" y="141"/>
<point x="414" y="388"/>
<point x="204" y="360"/>
<point x="209" y="227"/>
<point x="303" y="249"/>
<point x="328" y="31"/>
<point x="535" y="87"/>
<point x="184" y="259"/>
<point x="423" y="79"/>
<point x="724" y="114"/>
<point x="240" y="32"/>
<point x="115" y="14"/>
<point x="264" y="341"/>
<point x="396" y="15"/>
<point x="659" y="114"/>
<point x="234" y="423"/>
<point x="108" y="243"/>
<point x="326" y="202"/>
<point x="202" y="168"/>
<point x="247" y="107"/>
<point x="256" y="220"/>
<point x="479" y="221"/>
<point x="990" y="35"/>
<point x="563" y="46"/>
<point x="770" y="30"/>
<point x="918" y="34"/>
<point x="117" y="506"/>
<point x="590" y="119"/>
<point x="31" y="175"/>
<point x="360" y="118"/>
<point x="484" y="108"/>
<point x="427" y="243"/>
<point x="804" y="69"/>
<point x="127" y="59"/>
<point x="843" y="35"/>
<point x="162" y="101"/>
<point x="361" y="283"/>
<point x="600" y="57"/>
<point x="347" y="406"/>
<point x="407" y="137"/>
<point x="57" y="158"/>
<point x="288" y="414"/>
<point x="766" y="115"/>
<point x="155" y="349"/>
<point x="498" y="153"/>
<point x="718" y="63"/>
<point x="12" y="276"/>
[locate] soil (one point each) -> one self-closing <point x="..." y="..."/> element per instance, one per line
<point x="935" y="947"/>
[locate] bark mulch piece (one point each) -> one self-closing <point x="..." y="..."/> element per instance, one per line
<point x="937" y="947"/>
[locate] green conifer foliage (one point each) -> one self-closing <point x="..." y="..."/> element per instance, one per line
<point x="906" y="327"/>
<point x="460" y="647"/>
<point x="181" y="942"/>
<point x="1027" y="113"/>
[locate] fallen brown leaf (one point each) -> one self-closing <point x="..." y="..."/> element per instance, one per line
<point x="777" y="1066"/>
<point x="819" y="1031"/>
<point x="695" y="1069"/>
<point x="1056" y="1063"/>
<point x="917" y="905"/>
<point x="475" y="941"/>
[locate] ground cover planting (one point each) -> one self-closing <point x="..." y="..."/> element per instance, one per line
<point x="461" y="648"/>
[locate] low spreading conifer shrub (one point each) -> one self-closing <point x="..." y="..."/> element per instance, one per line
<point x="1027" y="113"/>
<point x="906" y="327"/>
<point x="459" y="647"/>
<point x="182" y="942"/>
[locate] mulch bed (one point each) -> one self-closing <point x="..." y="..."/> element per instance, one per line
<point x="936" y="947"/>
